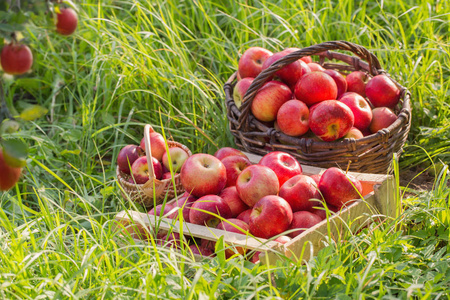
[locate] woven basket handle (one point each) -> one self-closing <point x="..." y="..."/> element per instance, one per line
<point x="148" y="151"/>
<point x="360" y="51"/>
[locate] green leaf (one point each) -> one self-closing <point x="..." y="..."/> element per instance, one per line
<point x="33" y="112"/>
<point x="9" y="126"/>
<point x="15" y="152"/>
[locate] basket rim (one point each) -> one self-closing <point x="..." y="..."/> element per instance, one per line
<point x="403" y="116"/>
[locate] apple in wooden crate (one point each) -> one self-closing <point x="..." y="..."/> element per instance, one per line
<point x="338" y="188"/>
<point x="255" y="182"/>
<point x="231" y="197"/>
<point x="302" y="220"/>
<point x="270" y="216"/>
<point x="283" y="164"/>
<point x="235" y="226"/>
<point x="203" y="174"/>
<point x="203" y="211"/>
<point x="301" y="192"/>
<point x="234" y="166"/>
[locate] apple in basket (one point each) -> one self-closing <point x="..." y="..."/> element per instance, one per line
<point x="251" y="62"/>
<point x="293" y="118"/>
<point x="339" y="188"/>
<point x="356" y="82"/>
<point x="157" y="143"/>
<point x="383" y="117"/>
<point x="177" y="158"/>
<point x="240" y="89"/>
<point x="269" y="99"/>
<point x="382" y="91"/>
<point x="360" y="109"/>
<point x="203" y="174"/>
<point x="291" y="73"/>
<point x="331" y="120"/>
<point x="140" y="170"/>
<point x="127" y="156"/>
<point x="315" y="87"/>
<point x="339" y="79"/>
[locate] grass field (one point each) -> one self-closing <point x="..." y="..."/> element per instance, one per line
<point x="137" y="62"/>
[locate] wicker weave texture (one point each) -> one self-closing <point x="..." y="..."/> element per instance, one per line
<point x="371" y="154"/>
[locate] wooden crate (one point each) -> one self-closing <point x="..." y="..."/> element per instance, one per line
<point x="379" y="202"/>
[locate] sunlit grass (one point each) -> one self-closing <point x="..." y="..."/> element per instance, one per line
<point x="137" y="62"/>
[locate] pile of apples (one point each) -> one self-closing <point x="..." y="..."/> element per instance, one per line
<point x="265" y="199"/>
<point x="304" y="99"/>
<point x="132" y="160"/>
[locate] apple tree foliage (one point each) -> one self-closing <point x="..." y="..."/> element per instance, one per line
<point x="15" y="15"/>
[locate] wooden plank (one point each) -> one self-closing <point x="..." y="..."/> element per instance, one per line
<point x="147" y="222"/>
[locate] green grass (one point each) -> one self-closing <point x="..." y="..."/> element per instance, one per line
<point x="137" y="62"/>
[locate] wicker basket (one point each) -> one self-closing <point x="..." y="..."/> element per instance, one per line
<point x="371" y="154"/>
<point x="154" y="191"/>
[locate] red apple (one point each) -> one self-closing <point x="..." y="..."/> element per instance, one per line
<point x="270" y="216"/>
<point x="185" y="202"/>
<point x="360" y="109"/>
<point x="140" y="171"/>
<point x="251" y="62"/>
<point x="236" y="226"/>
<point x="157" y="143"/>
<point x="168" y="175"/>
<point x="331" y="120"/>
<point x="202" y="211"/>
<point x="315" y="67"/>
<point x="303" y="220"/>
<point x="316" y="178"/>
<point x="67" y="21"/>
<point x="170" y="240"/>
<point x="382" y="91"/>
<point x="340" y="81"/>
<point x="383" y="117"/>
<point x="16" y="59"/>
<point x="127" y="156"/>
<point x="283" y="164"/>
<point x="356" y="82"/>
<point x="269" y="99"/>
<point x="307" y="59"/>
<point x="321" y="211"/>
<point x="231" y="197"/>
<point x="293" y="118"/>
<point x="240" y="89"/>
<point x="234" y="166"/>
<point x="338" y="188"/>
<point x="315" y="87"/>
<point x="255" y="182"/>
<point x="245" y="215"/>
<point x="156" y="211"/>
<point x="199" y="250"/>
<point x="203" y="174"/>
<point x="177" y="158"/>
<point x="354" y="133"/>
<point x="282" y="239"/>
<point x="291" y="73"/>
<point x="228" y="151"/>
<point x="8" y="175"/>
<point x="299" y="192"/>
